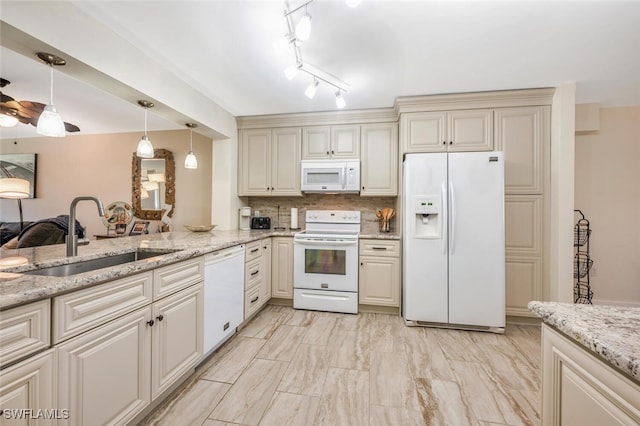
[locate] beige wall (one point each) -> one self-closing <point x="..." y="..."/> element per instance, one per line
<point x="100" y="165"/>
<point x="607" y="190"/>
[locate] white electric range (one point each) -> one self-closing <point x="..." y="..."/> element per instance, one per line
<point x="325" y="262"/>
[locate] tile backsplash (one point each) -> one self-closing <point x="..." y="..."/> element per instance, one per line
<point x="366" y="205"/>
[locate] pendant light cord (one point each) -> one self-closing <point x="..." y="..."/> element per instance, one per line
<point x="191" y="140"/>
<point x="145" y="121"/>
<point x="51" y="85"/>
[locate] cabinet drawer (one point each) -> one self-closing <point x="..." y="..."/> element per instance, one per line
<point x="253" y="251"/>
<point x="82" y="310"/>
<point x="24" y="330"/>
<point x="172" y="278"/>
<point x="387" y="248"/>
<point x="253" y="273"/>
<point x="251" y="301"/>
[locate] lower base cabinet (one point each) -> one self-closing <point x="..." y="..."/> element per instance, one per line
<point x="379" y="278"/>
<point x="110" y="374"/>
<point x="579" y="389"/>
<point x="27" y="392"/>
<point x="282" y="267"/>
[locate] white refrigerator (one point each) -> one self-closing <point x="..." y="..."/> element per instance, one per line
<point x="453" y="240"/>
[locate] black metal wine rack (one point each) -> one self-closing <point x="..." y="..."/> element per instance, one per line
<point x="582" y="261"/>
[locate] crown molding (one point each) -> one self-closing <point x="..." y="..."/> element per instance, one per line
<point x="364" y="116"/>
<point x="494" y="99"/>
<point x="445" y="102"/>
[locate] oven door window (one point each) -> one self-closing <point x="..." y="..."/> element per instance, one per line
<point x="325" y="261"/>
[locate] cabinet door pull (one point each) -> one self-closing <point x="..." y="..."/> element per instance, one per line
<point x="256" y="299"/>
<point x="254" y="250"/>
<point x="253" y="274"/>
<point x="378" y="248"/>
<point x="150" y="323"/>
<point x="160" y="317"/>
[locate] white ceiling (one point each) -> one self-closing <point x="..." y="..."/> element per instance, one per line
<point x="382" y="49"/>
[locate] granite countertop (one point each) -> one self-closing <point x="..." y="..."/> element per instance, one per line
<point x="611" y="332"/>
<point x="17" y="288"/>
<point x="379" y="236"/>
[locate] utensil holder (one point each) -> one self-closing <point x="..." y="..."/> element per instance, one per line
<point x="384" y="226"/>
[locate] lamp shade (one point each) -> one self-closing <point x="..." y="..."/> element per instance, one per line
<point x="7" y="120"/>
<point x="190" y="161"/>
<point x="145" y="149"/>
<point x="50" y="123"/>
<point x="14" y="188"/>
<point x="156" y="177"/>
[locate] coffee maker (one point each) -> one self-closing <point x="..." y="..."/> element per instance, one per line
<point x="244" y="219"/>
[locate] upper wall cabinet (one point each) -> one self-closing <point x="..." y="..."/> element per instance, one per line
<point x="331" y="142"/>
<point x="269" y="162"/>
<point x="452" y="131"/>
<point x="523" y="134"/>
<point x="379" y="160"/>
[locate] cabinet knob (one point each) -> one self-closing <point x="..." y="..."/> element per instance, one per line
<point x="444" y="142"/>
<point x="363" y="188"/>
<point x="332" y="152"/>
<point x="327" y="152"/>
<point x="361" y="264"/>
<point x="150" y="323"/>
<point x="160" y="317"/>
<point x="450" y="142"/>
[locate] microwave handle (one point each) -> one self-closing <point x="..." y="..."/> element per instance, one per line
<point x="344" y="178"/>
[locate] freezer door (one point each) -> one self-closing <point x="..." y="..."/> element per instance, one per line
<point x="476" y="239"/>
<point x="424" y="275"/>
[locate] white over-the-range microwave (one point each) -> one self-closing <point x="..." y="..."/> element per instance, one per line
<point x="330" y="176"/>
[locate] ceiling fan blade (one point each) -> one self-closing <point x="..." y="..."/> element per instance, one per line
<point x="6" y="98"/>
<point x="71" y="127"/>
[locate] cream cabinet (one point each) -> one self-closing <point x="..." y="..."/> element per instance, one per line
<point x="331" y="142"/>
<point x="24" y="330"/>
<point x="177" y="337"/>
<point x="379" y="278"/>
<point x="581" y="389"/>
<point x="26" y="388"/>
<point x="452" y="131"/>
<point x="104" y="375"/>
<point x="282" y="267"/>
<point x="109" y="371"/>
<point x="379" y="160"/>
<point x="523" y="134"/>
<point x="269" y="162"/>
<point x="257" y="285"/>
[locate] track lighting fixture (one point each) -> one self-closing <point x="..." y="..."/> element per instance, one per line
<point x="191" y="162"/>
<point x="145" y="148"/>
<point x="312" y="89"/>
<point x="340" y="102"/>
<point x="292" y="41"/>
<point x="50" y="122"/>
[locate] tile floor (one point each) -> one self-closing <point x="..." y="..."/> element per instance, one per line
<point x="289" y="367"/>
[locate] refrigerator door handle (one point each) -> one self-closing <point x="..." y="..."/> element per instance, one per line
<point x="452" y="201"/>
<point x="444" y="220"/>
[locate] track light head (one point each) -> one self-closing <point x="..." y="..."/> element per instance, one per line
<point x="312" y="89"/>
<point x="303" y="29"/>
<point x="340" y="102"/>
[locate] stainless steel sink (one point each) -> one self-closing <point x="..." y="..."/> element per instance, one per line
<point x="104" y="262"/>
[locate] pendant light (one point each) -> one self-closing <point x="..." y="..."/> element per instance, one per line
<point x="303" y="29"/>
<point x="50" y="122"/>
<point x="145" y="149"/>
<point x="191" y="162"/>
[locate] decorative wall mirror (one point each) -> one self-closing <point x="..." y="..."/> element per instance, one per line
<point x="153" y="185"/>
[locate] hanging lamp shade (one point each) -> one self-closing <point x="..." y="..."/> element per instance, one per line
<point x="190" y="161"/>
<point x="8" y="120"/>
<point x="145" y="148"/>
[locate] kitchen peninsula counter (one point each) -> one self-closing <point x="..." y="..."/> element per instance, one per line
<point x="612" y="333"/>
<point x="17" y="288"/>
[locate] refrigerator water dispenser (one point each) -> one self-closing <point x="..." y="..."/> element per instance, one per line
<point x="427" y="216"/>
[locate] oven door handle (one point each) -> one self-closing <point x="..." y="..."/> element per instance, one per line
<point x="326" y="243"/>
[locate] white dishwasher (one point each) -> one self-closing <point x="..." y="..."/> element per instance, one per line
<point x="223" y="295"/>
